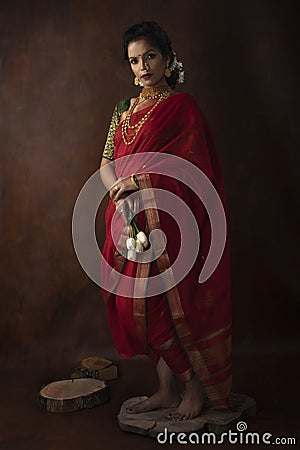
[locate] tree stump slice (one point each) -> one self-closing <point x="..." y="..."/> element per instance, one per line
<point x="72" y="395"/>
<point x="96" y="367"/>
<point x="154" y="422"/>
<point x="95" y="363"/>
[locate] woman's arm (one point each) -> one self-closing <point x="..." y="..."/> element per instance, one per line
<point x="107" y="173"/>
<point x="118" y="189"/>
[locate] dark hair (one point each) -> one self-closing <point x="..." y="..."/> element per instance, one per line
<point x="156" y="36"/>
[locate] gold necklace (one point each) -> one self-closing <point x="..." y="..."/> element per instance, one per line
<point x="160" y="93"/>
<point x="150" y="93"/>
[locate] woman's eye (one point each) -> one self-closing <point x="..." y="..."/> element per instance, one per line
<point x="151" y="55"/>
<point x="133" y="61"/>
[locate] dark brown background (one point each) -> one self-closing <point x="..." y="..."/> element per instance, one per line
<point x="62" y="71"/>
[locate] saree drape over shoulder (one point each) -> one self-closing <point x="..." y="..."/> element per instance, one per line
<point x="188" y="324"/>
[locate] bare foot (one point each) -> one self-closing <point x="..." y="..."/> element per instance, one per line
<point x="192" y="402"/>
<point x="166" y="398"/>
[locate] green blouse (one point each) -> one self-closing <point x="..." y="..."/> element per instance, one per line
<point x="120" y="108"/>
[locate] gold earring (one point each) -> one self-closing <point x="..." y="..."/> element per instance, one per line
<point x="167" y="72"/>
<point x="136" y="81"/>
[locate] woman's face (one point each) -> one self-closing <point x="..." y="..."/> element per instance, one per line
<point x="147" y="63"/>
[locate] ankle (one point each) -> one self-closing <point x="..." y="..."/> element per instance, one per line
<point x="194" y="385"/>
<point x="165" y="387"/>
<point x="167" y="384"/>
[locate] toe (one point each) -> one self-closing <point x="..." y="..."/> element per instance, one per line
<point x="176" y="416"/>
<point x="179" y="418"/>
<point x="130" y="410"/>
<point x="134" y="409"/>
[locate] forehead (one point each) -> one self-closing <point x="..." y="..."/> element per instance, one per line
<point x="139" y="48"/>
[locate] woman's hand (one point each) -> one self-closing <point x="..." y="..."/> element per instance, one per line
<point x="120" y="194"/>
<point x="120" y="188"/>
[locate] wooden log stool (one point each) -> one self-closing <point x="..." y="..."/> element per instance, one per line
<point x="72" y="395"/>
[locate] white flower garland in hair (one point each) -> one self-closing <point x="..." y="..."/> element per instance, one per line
<point x="179" y="66"/>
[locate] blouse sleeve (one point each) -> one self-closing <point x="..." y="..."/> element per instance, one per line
<point x="109" y="146"/>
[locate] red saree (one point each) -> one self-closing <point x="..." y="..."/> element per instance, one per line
<point x="190" y="323"/>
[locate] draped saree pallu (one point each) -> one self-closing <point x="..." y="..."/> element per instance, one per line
<point x="189" y="323"/>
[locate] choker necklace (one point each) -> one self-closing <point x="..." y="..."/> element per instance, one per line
<point x="156" y="92"/>
<point x="161" y="93"/>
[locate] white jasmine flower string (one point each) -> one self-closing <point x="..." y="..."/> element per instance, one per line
<point x="177" y="65"/>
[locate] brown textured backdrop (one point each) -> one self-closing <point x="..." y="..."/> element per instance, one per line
<point x="61" y="74"/>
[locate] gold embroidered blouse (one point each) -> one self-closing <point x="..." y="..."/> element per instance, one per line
<point x="121" y="107"/>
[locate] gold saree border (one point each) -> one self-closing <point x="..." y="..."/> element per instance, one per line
<point x="139" y="303"/>
<point x="218" y="391"/>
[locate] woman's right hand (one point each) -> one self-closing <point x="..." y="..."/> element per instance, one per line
<point x="125" y="203"/>
<point x="120" y="189"/>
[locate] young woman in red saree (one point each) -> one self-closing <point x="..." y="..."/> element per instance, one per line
<point x="185" y="329"/>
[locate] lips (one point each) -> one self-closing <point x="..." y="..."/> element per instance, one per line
<point x="147" y="76"/>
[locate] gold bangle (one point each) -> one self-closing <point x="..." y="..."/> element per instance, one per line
<point x="133" y="181"/>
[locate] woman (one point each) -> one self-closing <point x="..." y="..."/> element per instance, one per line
<point x="184" y="329"/>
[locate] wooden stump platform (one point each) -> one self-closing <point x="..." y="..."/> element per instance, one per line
<point x="96" y="367"/>
<point x="154" y="422"/>
<point x="72" y="395"/>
